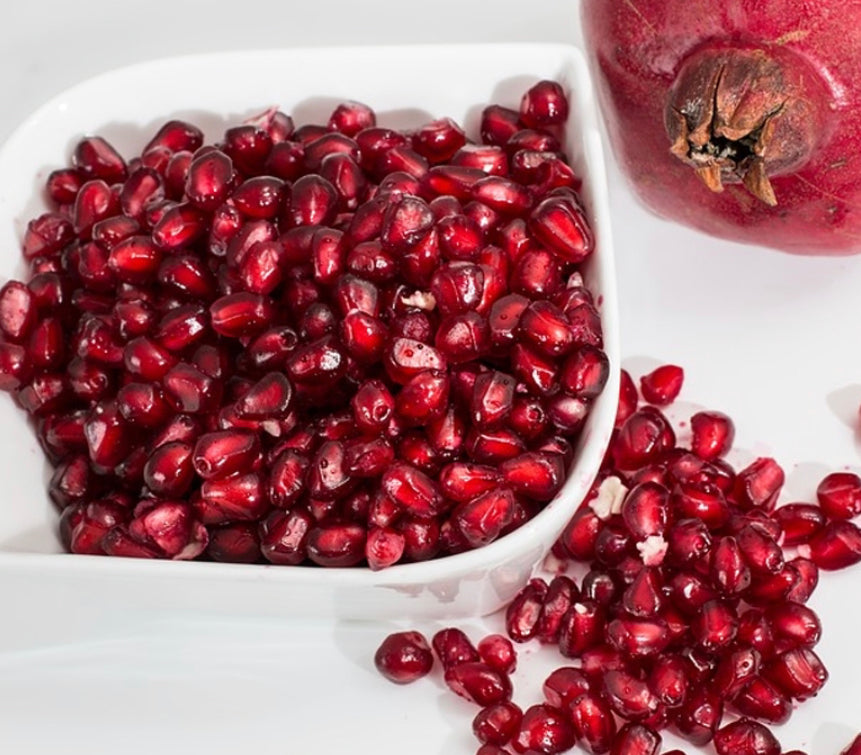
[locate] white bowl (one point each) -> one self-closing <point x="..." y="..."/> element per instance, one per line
<point x="406" y="86"/>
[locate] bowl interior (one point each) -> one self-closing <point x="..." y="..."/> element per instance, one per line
<point x="406" y="87"/>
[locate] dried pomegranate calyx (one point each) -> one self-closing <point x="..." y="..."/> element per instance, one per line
<point x="735" y="116"/>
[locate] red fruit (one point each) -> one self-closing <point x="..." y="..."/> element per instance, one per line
<point x="544" y="729"/>
<point x="544" y="104"/>
<point x="836" y="546"/>
<point x="479" y="683"/>
<point x="839" y="495"/>
<point x="745" y="737"/>
<point x="404" y="657"/>
<point x="759" y="484"/>
<point x="284" y="536"/>
<point x="497" y="652"/>
<point x="798" y="673"/>
<point x="645" y="510"/>
<point x="669" y="681"/>
<point x="712" y="434"/>
<point x="560" y="224"/>
<point x="453" y="647"/>
<point x="636" y="739"/>
<point x="593" y="721"/>
<point x="662" y="385"/>
<point x="700" y="715"/>
<point x="411" y="489"/>
<point x="630" y="697"/>
<point x="799" y="522"/>
<point x="497" y="724"/>
<point x="536" y="475"/>
<point x="728" y="570"/>
<point x="581" y="628"/>
<point x="483" y="519"/>
<point x="853" y="748"/>
<point x="643" y="438"/>
<point x="564" y="685"/>
<point x="644" y="88"/>
<point x="523" y="612"/>
<point x="759" y="698"/>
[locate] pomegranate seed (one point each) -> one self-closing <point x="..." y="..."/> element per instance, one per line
<point x="645" y="510"/>
<point x="735" y="670"/>
<point x="404" y="657"/>
<point x="712" y="434"/>
<point x="535" y="475"/>
<point x="836" y="546"/>
<point x="636" y="739"/>
<point x="453" y="647"/>
<point x="234" y="543"/>
<point x="479" y="683"/>
<point x="668" y="680"/>
<point x="758" y="484"/>
<point x="179" y="227"/>
<point x="546" y="729"/>
<point x="536" y="274"/>
<point x="581" y="628"/>
<point x="700" y="715"/>
<point x="715" y="626"/>
<point x="760" y="552"/>
<point x="839" y="495"/>
<point x="497" y="724"/>
<point x="593" y="722"/>
<point x="745" y="737"/>
<point x="544" y="104"/>
<point x="628" y="696"/>
<point x="662" y="385"/>
<point x="523" y="613"/>
<point x="798" y="673"/>
<point x="497" y="652"/>
<point x="411" y="489"/>
<point x="284" y="536"/>
<point x="564" y="685"/>
<point x="585" y="372"/>
<point x="498" y="124"/>
<point x="483" y="519"/>
<point x="760" y="699"/>
<point x="728" y="570"/>
<point x="636" y="637"/>
<point x="559" y="224"/>
<point x="643" y="597"/>
<point x="643" y="437"/>
<point x="808" y="578"/>
<point x="853" y="748"/>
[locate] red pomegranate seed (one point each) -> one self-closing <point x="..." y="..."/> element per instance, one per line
<point x="808" y="579"/>
<point x="668" y="680"/>
<point x="544" y="104"/>
<point x="497" y="724"/>
<point x="642" y="439"/>
<point x="734" y="670"/>
<point x="536" y="475"/>
<point x="760" y="699"/>
<point x="839" y="495"/>
<point x="853" y="748"/>
<point x="564" y="685"/>
<point x="284" y="536"/>
<point x="593" y="722"/>
<point x="544" y="729"/>
<point x="453" y="647"/>
<point x="798" y="673"/>
<point x="636" y="739"/>
<point x="628" y="696"/>
<point x="712" y="434"/>
<point x="524" y="611"/>
<point x="479" y="683"/>
<point x="637" y="638"/>
<point x="236" y="543"/>
<point x="498" y="124"/>
<point x="662" y="385"/>
<point x="715" y="626"/>
<point x="799" y="522"/>
<point x="836" y="546"/>
<point x="581" y="628"/>
<point x="644" y="597"/>
<point x="536" y="274"/>
<point x="700" y="715"/>
<point x="411" y="489"/>
<point x="497" y="652"/>
<point x="645" y="510"/>
<point x="759" y="484"/>
<point x="404" y="657"/>
<point x="729" y="572"/>
<point x="745" y="737"/>
<point x="484" y="518"/>
<point x="558" y="222"/>
<point x="760" y="552"/>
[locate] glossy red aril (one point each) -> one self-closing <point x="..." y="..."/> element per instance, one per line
<point x="497" y="724"/>
<point x="853" y="748"/>
<point x="404" y="657"/>
<point x="636" y="739"/>
<point x="745" y="737"/>
<point x="593" y="721"/>
<point x="662" y="385"/>
<point x="497" y="652"/>
<point x="798" y="672"/>
<point x="522" y="613"/>
<point x="839" y="495"/>
<point x="836" y="546"/>
<point x="479" y="683"/>
<point x="544" y="729"/>
<point x="761" y="699"/>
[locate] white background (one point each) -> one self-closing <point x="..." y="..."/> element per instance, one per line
<point x="771" y="339"/>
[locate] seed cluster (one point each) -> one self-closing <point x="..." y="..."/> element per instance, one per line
<point x="336" y="344"/>
<point x="691" y="608"/>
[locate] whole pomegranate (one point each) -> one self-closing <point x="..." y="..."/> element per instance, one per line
<point x="739" y="119"/>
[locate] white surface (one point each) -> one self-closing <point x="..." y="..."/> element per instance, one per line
<point x="771" y="339"/>
<point x="120" y="106"/>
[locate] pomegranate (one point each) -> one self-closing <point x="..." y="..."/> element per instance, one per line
<point x="335" y="344"/>
<point x="732" y="122"/>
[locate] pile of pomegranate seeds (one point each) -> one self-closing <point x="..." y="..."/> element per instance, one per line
<point x="336" y="344"/>
<point x="678" y="593"/>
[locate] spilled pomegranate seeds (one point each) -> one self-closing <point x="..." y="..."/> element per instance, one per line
<point x="334" y="344"/>
<point x="677" y="600"/>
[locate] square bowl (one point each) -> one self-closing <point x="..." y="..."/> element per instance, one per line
<point x="406" y="86"/>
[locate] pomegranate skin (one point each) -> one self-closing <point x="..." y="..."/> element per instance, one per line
<point x="638" y="53"/>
